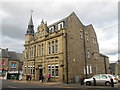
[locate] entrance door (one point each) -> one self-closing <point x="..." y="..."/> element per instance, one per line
<point x="40" y="72"/>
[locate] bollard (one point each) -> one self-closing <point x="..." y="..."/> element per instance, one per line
<point x="112" y="83"/>
<point x="94" y="81"/>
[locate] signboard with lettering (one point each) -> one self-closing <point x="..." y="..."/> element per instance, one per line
<point x="12" y="71"/>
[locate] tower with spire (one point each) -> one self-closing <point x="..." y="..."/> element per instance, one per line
<point x="30" y="30"/>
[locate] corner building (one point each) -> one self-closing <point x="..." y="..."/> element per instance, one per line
<point x="66" y="49"/>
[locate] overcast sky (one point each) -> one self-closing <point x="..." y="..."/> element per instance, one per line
<point x="102" y="15"/>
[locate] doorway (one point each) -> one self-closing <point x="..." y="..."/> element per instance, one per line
<point x="40" y="72"/>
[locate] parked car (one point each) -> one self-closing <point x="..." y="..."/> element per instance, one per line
<point x="118" y="78"/>
<point x="101" y="79"/>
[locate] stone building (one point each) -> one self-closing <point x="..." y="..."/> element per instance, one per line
<point x="117" y="71"/>
<point x="115" y="68"/>
<point x="3" y="63"/>
<point x="105" y="67"/>
<point x="11" y="64"/>
<point x="66" y="49"/>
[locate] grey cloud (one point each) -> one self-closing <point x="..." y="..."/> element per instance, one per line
<point x="99" y="14"/>
<point x="13" y="32"/>
<point x="14" y="44"/>
<point x="112" y="51"/>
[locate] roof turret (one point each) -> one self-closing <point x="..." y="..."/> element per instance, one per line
<point x="30" y="29"/>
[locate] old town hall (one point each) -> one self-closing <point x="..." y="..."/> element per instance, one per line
<point x="66" y="49"/>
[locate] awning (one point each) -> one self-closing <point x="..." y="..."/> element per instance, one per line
<point x="4" y="68"/>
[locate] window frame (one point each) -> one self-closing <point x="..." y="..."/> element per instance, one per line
<point x="13" y="65"/>
<point x="56" y="46"/>
<point x="60" y="25"/>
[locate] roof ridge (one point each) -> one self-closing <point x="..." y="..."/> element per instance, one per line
<point x="62" y="19"/>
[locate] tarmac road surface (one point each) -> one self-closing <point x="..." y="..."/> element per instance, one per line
<point x="32" y="85"/>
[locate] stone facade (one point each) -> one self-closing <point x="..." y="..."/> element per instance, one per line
<point x="67" y="49"/>
<point x="105" y="67"/>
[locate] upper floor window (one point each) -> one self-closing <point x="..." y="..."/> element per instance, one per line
<point x="81" y="34"/>
<point x="86" y="36"/>
<point x="26" y="53"/>
<point x="60" y="25"/>
<point x="94" y="40"/>
<point x="13" y="65"/>
<point x="39" y="50"/>
<point x="32" y="51"/>
<point x="49" y="48"/>
<point x="88" y="53"/>
<point x="42" y="49"/>
<point x="56" y="46"/>
<point x="35" y="50"/>
<point x="52" y="46"/>
<point x="95" y="55"/>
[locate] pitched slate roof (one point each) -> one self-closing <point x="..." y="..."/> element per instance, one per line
<point x="20" y="56"/>
<point x="30" y="21"/>
<point x="30" y="29"/>
<point x="11" y="55"/>
<point x="102" y="55"/>
<point x="4" y="53"/>
<point x="64" y="19"/>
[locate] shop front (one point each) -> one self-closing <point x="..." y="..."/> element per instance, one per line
<point x="14" y="75"/>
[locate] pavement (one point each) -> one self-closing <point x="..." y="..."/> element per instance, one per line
<point x="63" y="85"/>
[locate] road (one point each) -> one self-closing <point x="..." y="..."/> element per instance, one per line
<point x="27" y="85"/>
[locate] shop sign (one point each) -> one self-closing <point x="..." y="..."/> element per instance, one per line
<point x="12" y="71"/>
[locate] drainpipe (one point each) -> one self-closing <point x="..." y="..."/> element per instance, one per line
<point x="105" y="64"/>
<point x="66" y="58"/>
<point x="85" y="54"/>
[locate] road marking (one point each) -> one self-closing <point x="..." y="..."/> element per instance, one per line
<point x="12" y="87"/>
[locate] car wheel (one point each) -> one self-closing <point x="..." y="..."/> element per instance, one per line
<point x="107" y="83"/>
<point x="88" y="83"/>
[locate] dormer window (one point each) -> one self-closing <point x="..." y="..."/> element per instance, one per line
<point x="51" y="29"/>
<point x="60" y="26"/>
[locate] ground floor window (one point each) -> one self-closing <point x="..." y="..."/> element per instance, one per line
<point x="56" y="70"/>
<point x="53" y="70"/>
